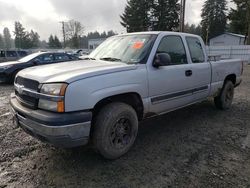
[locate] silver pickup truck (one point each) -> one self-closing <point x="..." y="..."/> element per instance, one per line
<point x="126" y="79"/>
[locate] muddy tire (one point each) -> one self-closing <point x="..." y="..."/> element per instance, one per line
<point x="224" y="100"/>
<point x="115" y="130"/>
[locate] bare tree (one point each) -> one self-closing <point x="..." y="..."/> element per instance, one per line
<point x="73" y="32"/>
<point x="73" y="28"/>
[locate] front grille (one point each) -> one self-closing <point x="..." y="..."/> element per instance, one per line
<point x="27" y="83"/>
<point x="25" y="100"/>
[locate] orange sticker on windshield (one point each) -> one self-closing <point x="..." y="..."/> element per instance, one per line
<point x="138" y="45"/>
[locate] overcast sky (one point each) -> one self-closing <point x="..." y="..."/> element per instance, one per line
<point x="44" y="16"/>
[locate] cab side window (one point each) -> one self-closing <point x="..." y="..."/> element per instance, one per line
<point x="46" y="58"/>
<point x="196" y="50"/>
<point x="174" y="46"/>
<point x="61" y="57"/>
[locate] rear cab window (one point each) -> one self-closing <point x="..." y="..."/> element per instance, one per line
<point x="195" y="49"/>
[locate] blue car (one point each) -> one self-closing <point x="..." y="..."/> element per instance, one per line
<point x="8" y="70"/>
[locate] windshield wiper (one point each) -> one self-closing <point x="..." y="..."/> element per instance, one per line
<point x="89" y="58"/>
<point x="110" y="59"/>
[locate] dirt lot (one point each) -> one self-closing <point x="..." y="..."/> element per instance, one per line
<point x="198" y="146"/>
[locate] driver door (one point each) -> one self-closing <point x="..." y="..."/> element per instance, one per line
<point x="171" y="86"/>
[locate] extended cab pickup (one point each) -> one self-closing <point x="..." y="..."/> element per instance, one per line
<point x="126" y="79"/>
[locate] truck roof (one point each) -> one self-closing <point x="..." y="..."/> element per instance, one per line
<point x="159" y="32"/>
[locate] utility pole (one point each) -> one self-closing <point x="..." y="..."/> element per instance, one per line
<point x="182" y="15"/>
<point x="248" y="22"/>
<point x="207" y="35"/>
<point x="63" y="30"/>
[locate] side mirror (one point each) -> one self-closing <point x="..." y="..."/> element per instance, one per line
<point x="162" y="59"/>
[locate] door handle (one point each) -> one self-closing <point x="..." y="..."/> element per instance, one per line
<point x="189" y="73"/>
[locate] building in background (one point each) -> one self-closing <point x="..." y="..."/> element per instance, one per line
<point x="94" y="43"/>
<point x="228" y="39"/>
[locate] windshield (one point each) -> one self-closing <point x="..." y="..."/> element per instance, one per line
<point x="127" y="49"/>
<point x="29" y="57"/>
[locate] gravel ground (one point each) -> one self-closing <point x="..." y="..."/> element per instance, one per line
<point x="198" y="146"/>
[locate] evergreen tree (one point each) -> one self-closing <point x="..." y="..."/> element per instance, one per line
<point x="54" y="42"/>
<point x="7" y="38"/>
<point x="240" y="18"/>
<point x="74" y="42"/>
<point x="51" y="42"/>
<point x="20" y="36"/>
<point x="214" y="18"/>
<point x="136" y="16"/>
<point x="193" y="29"/>
<point x="110" y="33"/>
<point x="34" y="39"/>
<point x="93" y="35"/>
<point x="57" y="42"/>
<point x="103" y="34"/>
<point x="1" y="42"/>
<point x="166" y="15"/>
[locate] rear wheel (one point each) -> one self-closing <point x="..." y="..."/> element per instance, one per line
<point x="224" y="100"/>
<point x="115" y="130"/>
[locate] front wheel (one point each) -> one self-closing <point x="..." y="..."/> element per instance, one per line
<point x="224" y="100"/>
<point x="115" y="130"/>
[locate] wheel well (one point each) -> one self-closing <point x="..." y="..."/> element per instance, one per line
<point x="132" y="99"/>
<point x="231" y="77"/>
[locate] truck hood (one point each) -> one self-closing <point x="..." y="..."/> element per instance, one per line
<point x="72" y="71"/>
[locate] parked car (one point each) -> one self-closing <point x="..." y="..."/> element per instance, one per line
<point x="84" y="56"/>
<point x="80" y="53"/>
<point x="126" y="79"/>
<point x="11" y="55"/>
<point x="8" y="70"/>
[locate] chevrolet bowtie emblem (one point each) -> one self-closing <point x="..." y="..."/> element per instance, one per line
<point x="19" y="89"/>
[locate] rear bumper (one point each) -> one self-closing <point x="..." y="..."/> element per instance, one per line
<point x="65" y="130"/>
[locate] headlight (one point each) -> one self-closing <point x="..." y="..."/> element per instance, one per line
<point x="47" y="105"/>
<point x="57" y="89"/>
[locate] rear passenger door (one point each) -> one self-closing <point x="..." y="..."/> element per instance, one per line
<point x="200" y="67"/>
